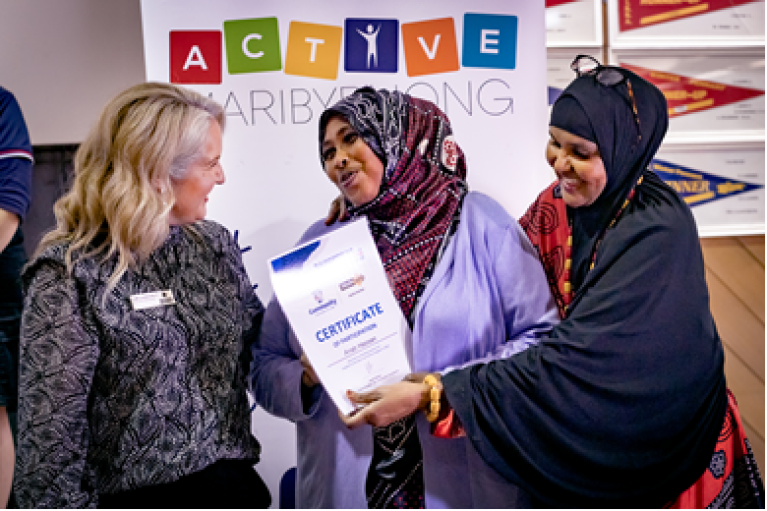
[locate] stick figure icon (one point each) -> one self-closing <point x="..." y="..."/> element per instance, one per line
<point x="371" y="37"/>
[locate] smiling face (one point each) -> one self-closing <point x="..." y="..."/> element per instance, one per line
<point x="191" y="192"/>
<point x="350" y="163"/>
<point x="578" y="165"/>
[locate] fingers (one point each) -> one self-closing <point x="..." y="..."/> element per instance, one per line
<point x="337" y="211"/>
<point x="363" y="398"/>
<point x="333" y="212"/>
<point x="355" y="419"/>
<point x="308" y="377"/>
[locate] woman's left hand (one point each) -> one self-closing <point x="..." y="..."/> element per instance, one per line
<point x="387" y="404"/>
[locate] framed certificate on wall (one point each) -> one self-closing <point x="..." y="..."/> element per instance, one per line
<point x="573" y="23"/>
<point x="713" y="95"/>
<point x="722" y="183"/>
<point x="685" y="23"/>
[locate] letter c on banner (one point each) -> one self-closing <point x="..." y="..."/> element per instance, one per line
<point x="245" y="49"/>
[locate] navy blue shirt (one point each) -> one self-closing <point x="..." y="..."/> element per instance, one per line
<point x="15" y="190"/>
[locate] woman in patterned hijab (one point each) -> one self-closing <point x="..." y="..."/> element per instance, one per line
<point x="457" y="264"/>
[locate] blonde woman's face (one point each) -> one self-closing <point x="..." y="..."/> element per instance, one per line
<point x="192" y="191"/>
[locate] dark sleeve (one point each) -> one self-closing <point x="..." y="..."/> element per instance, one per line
<point x="622" y="404"/>
<point x="15" y="157"/>
<point x="58" y="357"/>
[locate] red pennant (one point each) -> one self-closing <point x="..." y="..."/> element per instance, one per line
<point x="644" y="13"/>
<point x="687" y="95"/>
<point x="554" y="3"/>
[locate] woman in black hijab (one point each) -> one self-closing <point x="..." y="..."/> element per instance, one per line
<point x="624" y="404"/>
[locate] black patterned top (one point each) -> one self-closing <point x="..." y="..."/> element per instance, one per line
<point x="112" y="398"/>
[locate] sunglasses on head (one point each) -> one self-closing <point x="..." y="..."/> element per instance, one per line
<point x="608" y="76"/>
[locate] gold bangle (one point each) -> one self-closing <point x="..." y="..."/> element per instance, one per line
<point x="435" y="394"/>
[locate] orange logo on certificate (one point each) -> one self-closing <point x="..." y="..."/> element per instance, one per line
<point x="430" y="47"/>
<point x="313" y="50"/>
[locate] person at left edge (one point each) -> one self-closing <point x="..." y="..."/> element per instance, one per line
<point x="15" y="187"/>
<point x="467" y="280"/>
<point x="137" y="321"/>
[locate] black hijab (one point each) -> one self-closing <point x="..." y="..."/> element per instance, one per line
<point x="627" y="143"/>
<point x="622" y="404"/>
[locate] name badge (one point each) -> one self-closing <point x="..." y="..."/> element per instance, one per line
<point x="149" y="300"/>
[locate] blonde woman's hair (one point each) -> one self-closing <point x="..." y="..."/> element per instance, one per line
<point x="121" y="195"/>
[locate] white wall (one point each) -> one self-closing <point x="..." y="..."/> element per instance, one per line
<point x="65" y="59"/>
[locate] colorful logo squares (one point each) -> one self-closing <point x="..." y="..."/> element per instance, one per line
<point x="313" y="50"/>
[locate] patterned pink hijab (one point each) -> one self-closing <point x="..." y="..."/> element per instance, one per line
<point x="423" y="185"/>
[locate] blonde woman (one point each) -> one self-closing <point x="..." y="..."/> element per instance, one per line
<point x="138" y="317"/>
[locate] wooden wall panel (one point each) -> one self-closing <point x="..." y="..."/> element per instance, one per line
<point x="735" y="276"/>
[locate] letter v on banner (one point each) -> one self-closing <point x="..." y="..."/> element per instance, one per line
<point x="195" y="56"/>
<point x="686" y="95"/>
<point x="430" y="47"/>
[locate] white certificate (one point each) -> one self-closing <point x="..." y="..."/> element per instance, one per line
<point x="335" y="293"/>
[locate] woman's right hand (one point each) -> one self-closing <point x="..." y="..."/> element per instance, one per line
<point x="308" y="377"/>
<point x="337" y="211"/>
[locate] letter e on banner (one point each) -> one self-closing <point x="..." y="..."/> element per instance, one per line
<point x="195" y="56"/>
<point x="430" y="47"/>
<point x="489" y="41"/>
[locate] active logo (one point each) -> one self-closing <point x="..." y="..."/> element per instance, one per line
<point x="371" y="45"/>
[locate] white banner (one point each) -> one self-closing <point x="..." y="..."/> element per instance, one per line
<point x="277" y="64"/>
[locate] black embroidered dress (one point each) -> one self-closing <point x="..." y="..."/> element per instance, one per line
<point x="112" y="399"/>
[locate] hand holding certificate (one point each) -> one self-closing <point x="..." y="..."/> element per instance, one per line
<point x="335" y="294"/>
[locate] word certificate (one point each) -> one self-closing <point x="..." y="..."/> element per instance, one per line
<point x="336" y="296"/>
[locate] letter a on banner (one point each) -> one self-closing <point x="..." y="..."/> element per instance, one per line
<point x="195" y="56"/>
<point x="686" y="95"/>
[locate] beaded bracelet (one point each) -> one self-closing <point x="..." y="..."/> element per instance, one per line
<point x="435" y="393"/>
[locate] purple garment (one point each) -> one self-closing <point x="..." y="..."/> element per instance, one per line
<point x="488" y="298"/>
